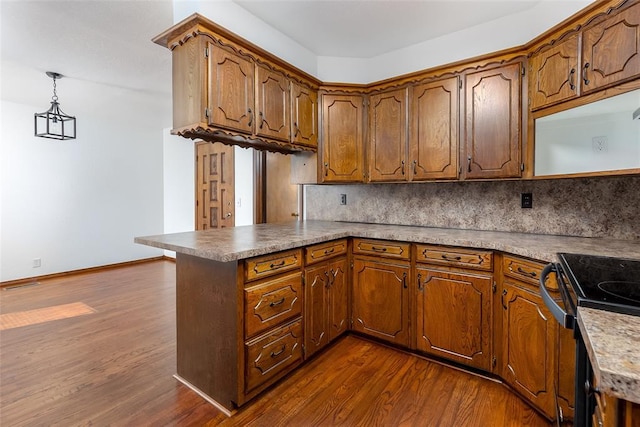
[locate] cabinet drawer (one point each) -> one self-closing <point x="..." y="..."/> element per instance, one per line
<point x="526" y="271"/>
<point x="326" y="250"/>
<point x="270" y="303"/>
<point x="383" y="248"/>
<point x="273" y="354"/>
<point x="267" y="265"/>
<point x="455" y="257"/>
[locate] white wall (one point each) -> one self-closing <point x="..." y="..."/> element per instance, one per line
<point x="238" y="20"/>
<point x="507" y="32"/>
<point x="243" y="169"/>
<point x="79" y="203"/>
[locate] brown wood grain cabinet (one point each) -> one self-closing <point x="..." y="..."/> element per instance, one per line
<point x="273" y="104"/>
<point x="233" y="110"/>
<point x="388" y="159"/>
<point x="493" y="112"/>
<point x="228" y="90"/>
<point x="555" y="74"/>
<point x="326" y="295"/>
<point x="529" y="334"/>
<point x="605" y="53"/>
<point x="381" y="294"/>
<point x="454" y="305"/>
<point x="342" y="138"/>
<point x="433" y="134"/>
<point x="611" y="50"/>
<point x="304" y="115"/>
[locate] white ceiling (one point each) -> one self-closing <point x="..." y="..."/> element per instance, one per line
<point x="110" y="41"/>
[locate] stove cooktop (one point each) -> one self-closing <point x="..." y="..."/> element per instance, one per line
<point x="603" y="282"/>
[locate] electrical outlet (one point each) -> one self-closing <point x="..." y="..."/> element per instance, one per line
<point x="343" y="199"/>
<point x="37" y="262"/>
<point x="526" y="200"/>
<point x="600" y="144"/>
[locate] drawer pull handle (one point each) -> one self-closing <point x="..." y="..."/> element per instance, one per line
<point x="451" y="258"/>
<point x="377" y="249"/>
<point x="250" y="118"/>
<point x="403" y="167"/>
<point x="404" y="280"/>
<point x="415" y="167"/>
<point x="329" y="251"/>
<point x="277" y="264"/>
<point x="584" y="74"/>
<point x="419" y="282"/>
<point x="527" y="273"/>
<point x="279" y="352"/>
<point x="274" y="303"/>
<point x="504" y="293"/>
<point x="572" y="73"/>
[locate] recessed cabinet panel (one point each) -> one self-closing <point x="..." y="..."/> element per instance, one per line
<point x="273" y="105"/>
<point x="304" y="115"/>
<point x="381" y="300"/>
<point x="231" y="90"/>
<point x="454" y="316"/>
<point x="528" y="347"/>
<point x="342" y="151"/>
<point x="611" y="50"/>
<point x="492" y="131"/>
<point x="388" y="136"/>
<point x="555" y="74"/>
<point x="434" y="130"/>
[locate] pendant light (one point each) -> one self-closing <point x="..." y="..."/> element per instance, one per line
<point x="54" y="123"/>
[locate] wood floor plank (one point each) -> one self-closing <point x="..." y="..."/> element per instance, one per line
<point x="115" y="367"/>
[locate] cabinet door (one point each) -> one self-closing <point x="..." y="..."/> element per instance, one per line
<point x="273" y="105"/>
<point x="528" y="346"/>
<point x="611" y="50"/>
<point x="388" y="136"/>
<point x="230" y="109"/>
<point x="317" y="282"/>
<point x="433" y="137"/>
<point x="492" y="130"/>
<point x="338" y="298"/>
<point x="304" y="115"/>
<point x="554" y="74"/>
<point x="454" y="316"/>
<point x="342" y="139"/>
<point x="380" y="300"/>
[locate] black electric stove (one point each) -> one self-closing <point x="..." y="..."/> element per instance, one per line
<point x="605" y="283"/>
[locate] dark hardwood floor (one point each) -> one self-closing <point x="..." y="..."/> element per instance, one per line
<point x="115" y="367"/>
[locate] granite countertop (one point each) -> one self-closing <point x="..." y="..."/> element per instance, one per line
<point x="613" y="345"/>
<point x="231" y="244"/>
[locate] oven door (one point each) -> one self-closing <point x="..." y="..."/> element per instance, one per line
<point x="566" y="317"/>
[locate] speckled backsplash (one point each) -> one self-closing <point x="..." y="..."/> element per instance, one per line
<point x="587" y="207"/>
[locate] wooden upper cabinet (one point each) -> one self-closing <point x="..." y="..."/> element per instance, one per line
<point x="342" y="133"/>
<point x="554" y="74"/>
<point x="388" y="136"/>
<point x="230" y="109"/>
<point x="304" y="115"/>
<point x="493" y="129"/>
<point x="273" y="104"/>
<point x="611" y="50"/>
<point x="433" y="133"/>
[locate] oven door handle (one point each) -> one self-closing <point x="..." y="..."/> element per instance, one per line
<point x="564" y="318"/>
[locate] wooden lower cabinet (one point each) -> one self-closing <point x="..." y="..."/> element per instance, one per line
<point x="566" y="353"/>
<point x="528" y="345"/>
<point x="326" y="304"/>
<point x="454" y="316"/>
<point x="380" y="299"/>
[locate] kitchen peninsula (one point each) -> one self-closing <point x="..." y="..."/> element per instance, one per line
<point x="248" y="312"/>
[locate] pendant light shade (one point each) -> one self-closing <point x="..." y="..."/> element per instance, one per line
<point x="54" y="123"/>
